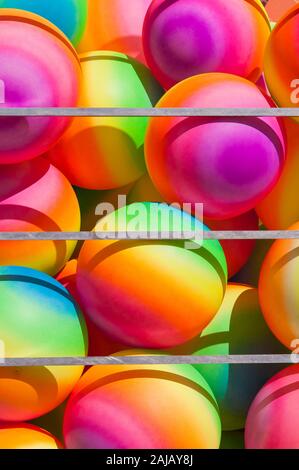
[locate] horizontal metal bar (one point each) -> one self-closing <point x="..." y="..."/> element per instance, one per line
<point x="206" y="235"/>
<point x="126" y="360"/>
<point x="150" y="112"/>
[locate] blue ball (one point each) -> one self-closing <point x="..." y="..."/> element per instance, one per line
<point x="68" y="15"/>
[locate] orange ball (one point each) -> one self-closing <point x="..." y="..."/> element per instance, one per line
<point x="281" y="62"/>
<point x="280" y="208"/>
<point x="277" y="8"/>
<point x="278" y="290"/>
<point x="115" y="26"/>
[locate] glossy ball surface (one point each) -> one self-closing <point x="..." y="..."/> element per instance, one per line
<point x="26" y="436"/>
<point x="38" y="68"/>
<point x="182" y="38"/>
<point x="135" y="407"/>
<point x="272" y="421"/>
<point x="229" y="164"/>
<point x="112" y="146"/>
<point x="38" y="318"/>
<point x="69" y="16"/>
<point x="36" y="197"/>
<point x="115" y="26"/>
<point x="282" y="60"/>
<point x="280" y="208"/>
<point x="278" y="291"/>
<point x="162" y="296"/>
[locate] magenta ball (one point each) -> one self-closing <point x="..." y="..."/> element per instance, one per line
<point x="228" y="164"/>
<point x="273" y="418"/>
<point x="38" y="68"/>
<point x="182" y="38"/>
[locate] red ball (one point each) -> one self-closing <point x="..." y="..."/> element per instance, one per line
<point x="237" y="252"/>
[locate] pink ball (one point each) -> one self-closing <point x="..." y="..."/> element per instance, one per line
<point x="228" y="163"/>
<point x="38" y="68"/>
<point x="273" y="418"/>
<point x="182" y="38"/>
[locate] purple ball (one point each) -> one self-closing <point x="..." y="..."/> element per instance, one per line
<point x="182" y="38"/>
<point x="228" y="164"/>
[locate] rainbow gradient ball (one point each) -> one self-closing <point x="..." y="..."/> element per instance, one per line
<point x="142" y="407"/>
<point x="69" y="16"/>
<point x="273" y="418"/>
<point x="282" y="60"/>
<point x="38" y="68"/>
<point x="228" y="164"/>
<point x="26" y="436"/>
<point x="152" y="294"/>
<point x="238" y="328"/>
<point x="112" y="147"/>
<point x="278" y="289"/>
<point x="38" y="318"/>
<point x="36" y="197"/>
<point x="182" y="38"/>
<point x="99" y="343"/>
<point x="237" y="252"/>
<point x="115" y="26"/>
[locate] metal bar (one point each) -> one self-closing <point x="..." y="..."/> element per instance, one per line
<point x="150" y="360"/>
<point x="150" y="112"/>
<point x="206" y="235"/>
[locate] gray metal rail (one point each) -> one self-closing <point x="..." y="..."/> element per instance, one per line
<point x="150" y="360"/>
<point x="150" y="112"/>
<point x="206" y="235"/>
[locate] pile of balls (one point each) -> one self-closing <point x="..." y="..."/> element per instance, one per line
<point x="133" y="297"/>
